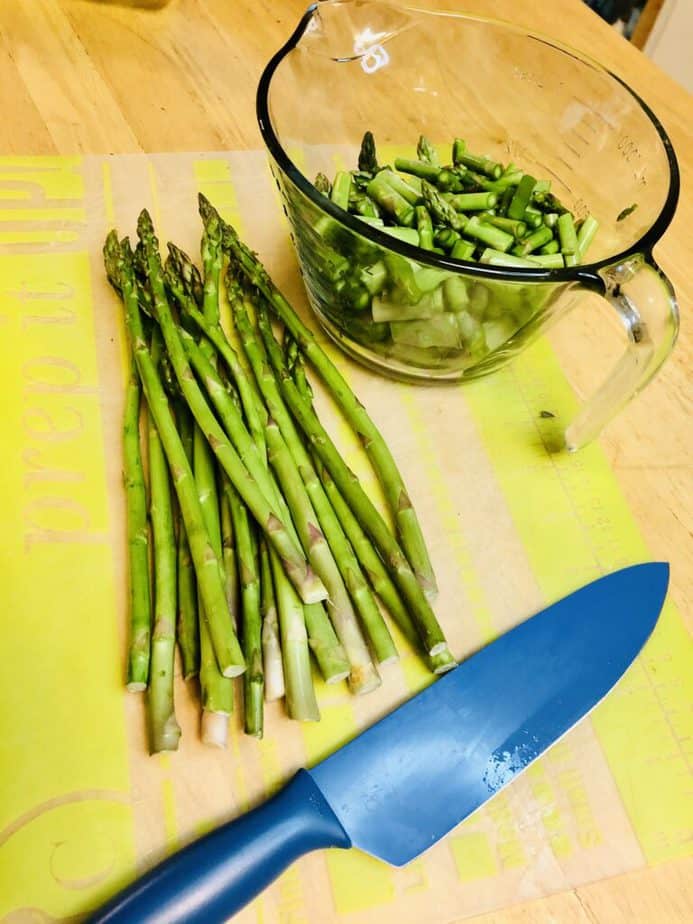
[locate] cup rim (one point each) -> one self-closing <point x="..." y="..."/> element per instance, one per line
<point x="588" y="273"/>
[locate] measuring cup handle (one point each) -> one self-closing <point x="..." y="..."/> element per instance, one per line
<point x="645" y="301"/>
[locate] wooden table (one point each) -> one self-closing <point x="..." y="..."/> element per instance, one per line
<point x="96" y="77"/>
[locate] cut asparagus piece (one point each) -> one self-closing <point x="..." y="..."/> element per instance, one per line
<point x="251" y="628"/>
<point x="390" y="200"/>
<point x="586" y="234"/>
<point x="567" y="234"/>
<point x="426" y="152"/>
<point x="424" y="226"/>
<point x="441" y="331"/>
<point x="228" y="552"/>
<point x="428" y="306"/>
<point x="423" y="170"/>
<point x="441" y="210"/>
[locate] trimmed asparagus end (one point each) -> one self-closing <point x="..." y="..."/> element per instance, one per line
<point x="214" y="729"/>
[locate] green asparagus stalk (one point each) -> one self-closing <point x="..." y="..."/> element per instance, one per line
<point x="306" y="583"/>
<point x="586" y="234"/>
<point x="391" y="201"/>
<point x="216" y="690"/>
<point x="341" y="189"/>
<point x="424" y="226"/>
<point x="567" y="234"/>
<point x="138" y="538"/>
<point x="271" y="646"/>
<point x="164" y="728"/>
<point x="251" y="628"/>
<point x="422" y="169"/>
<point x="431" y="634"/>
<point x="408" y="527"/>
<point x="442" y="211"/>
<point x="228" y="550"/>
<point x="118" y="259"/>
<point x="188" y="632"/>
<point x="322" y="184"/>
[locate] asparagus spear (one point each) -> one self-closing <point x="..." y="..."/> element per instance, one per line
<point x="246" y="548"/>
<point x="118" y="259"/>
<point x="163" y="727"/>
<point x="228" y="552"/>
<point x="187" y="628"/>
<point x="307" y="584"/>
<point x="431" y="634"/>
<point x="381" y="458"/>
<point x="271" y="647"/>
<point x="216" y="690"/>
<point x="175" y="273"/>
<point x="138" y="538"/>
<point x="441" y="210"/>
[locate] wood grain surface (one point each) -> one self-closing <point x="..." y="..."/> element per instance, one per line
<point x="100" y="77"/>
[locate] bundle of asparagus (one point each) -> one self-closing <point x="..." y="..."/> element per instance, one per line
<point x="266" y="548"/>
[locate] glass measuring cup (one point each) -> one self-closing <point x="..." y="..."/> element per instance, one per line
<point x="514" y="96"/>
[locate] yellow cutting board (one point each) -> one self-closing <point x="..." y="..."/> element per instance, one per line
<point x="513" y="523"/>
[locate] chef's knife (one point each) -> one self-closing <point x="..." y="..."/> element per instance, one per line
<point x="405" y="782"/>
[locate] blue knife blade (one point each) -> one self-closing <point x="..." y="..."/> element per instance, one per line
<point x="401" y="785"/>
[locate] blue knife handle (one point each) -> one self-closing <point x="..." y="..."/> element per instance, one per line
<point x="214" y="877"/>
